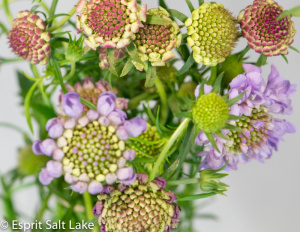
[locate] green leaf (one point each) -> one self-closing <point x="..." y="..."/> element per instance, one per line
<point x="200" y="2"/>
<point x="292" y="12"/>
<point x="143" y="160"/>
<point x="201" y="89"/>
<point x="212" y="140"/>
<point x="217" y="84"/>
<point x="243" y="53"/>
<point x="187" y="65"/>
<point x="234" y="117"/>
<point x="153" y="19"/>
<point x="233" y="128"/>
<point x="4" y="29"/>
<point x="190" y="5"/>
<point x="295" y="49"/>
<point x="150" y="77"/>
<point x="195" y="197"/>
<point x="58" y="74"/>
<point x="221" y="135"/>
<point x="53" y="17"/>
<point x="234" y="100"/>
<point x="262" y="60"/>
<point x="7" y="10"/>
<point x="183" y="115"/>
<point x="111" y="61"/>
<point x="176" y="14"/>
<point x="133" y="54"/>
<point x="88" y="103"/>
<point x="27" y="104"/>
<point x="127" y="67"/>
<point x="285" y="58"/>
<point x="171" y="170"/>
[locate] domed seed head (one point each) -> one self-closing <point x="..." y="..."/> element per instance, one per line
<point x="109" y="24"/>
<point x="212" y="33"/>
<point x="29" y="39"/>
<point x="147" y="212"/>
<point x="155" y="42"/>
<point x="266" y="34"/>
<point x="210" y="112"/>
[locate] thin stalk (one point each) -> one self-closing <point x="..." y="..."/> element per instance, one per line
<point x="63" y="21"/>
<point x="164" y="103"/>
<point x="184" y="181"/>
<point x="12" y="126"/>
<point x="167" y="147"/>
<point x="53" y="8"/>
<point x="8" y="1"/>
<point x="7" y="11"/>
<point x="71" y="73"/>
<point x="89" y="207"/>
<point x="213" y="76"/>
<point x="44" y="207"/>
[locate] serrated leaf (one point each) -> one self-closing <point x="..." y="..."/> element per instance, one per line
<point x="150" y="77"/>
<point x="190" y="5"/>
<point x="27" y="104"/>
<point x="212" y="140"/>
<point x="195" y="197"/>
<point x="217" y="84"/>
<point x="234" y="100"/>
<point x="171" y="170"/>
<point x="187" y="65"/>
<point x="127" y="67"/>
<point x="177" y="14"/>
<point x="156" y="20"/>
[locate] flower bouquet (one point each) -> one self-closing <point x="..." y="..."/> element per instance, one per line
<point x="136" y="112"/>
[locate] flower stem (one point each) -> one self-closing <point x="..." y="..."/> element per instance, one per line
<point x="63" y="21"/>
<point x="184" y="181"/>
<point x="71" y="73"/>
<point x="167" y="147"/>
<point x="213" y="76"/>
<point x="88" y="205"/>
<point x="163" y="97"/>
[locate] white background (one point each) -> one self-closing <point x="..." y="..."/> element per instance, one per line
<point x="261" y="197"/>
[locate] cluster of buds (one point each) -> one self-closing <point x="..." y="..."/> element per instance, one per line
<point x="28" y="38"/>
<point x="266" y="34"/>
<point x="89" y="147"/>
<point x="212" y="33"/>
<point x="155" y="42"/>
<point x="109" y="24"/>
<point x="142" y="206"/>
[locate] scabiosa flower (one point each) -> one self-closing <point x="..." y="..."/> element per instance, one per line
<point x="142" y="206"/>
<point x="259" y="132"/>
<point x="155" y="42"/>
<point x="109" y="24"/>
<point x="212" y="33"/>
<point x="28" y="38"/>
<point x="89" y="148"/>
<point x="104" y="64"/>
<point x="91" y="91"/>
<point x="148" y="143"/>
<point x="266" y="34"/>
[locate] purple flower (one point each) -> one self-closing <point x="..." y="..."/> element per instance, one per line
<point x="79" y="187"/>
<point x="126" y="175"/>
<point x="161" y="182"/>
<point x="97" y="210"/>
<point x="106" y="103"/>
<point x="71" y="104"/>
<point x="36" y="148"/>
<point x="95" y="187"/>
<point x="55" y="128"/>
<point x="129" y="155"/>
<point x="48" y="146"/>
<point x="44" y="177"/>
<point x="54" y="168"/>
<point x="132" y="128"/>
<point x="117" y="117"/>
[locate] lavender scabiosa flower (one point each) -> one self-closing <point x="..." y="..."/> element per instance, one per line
<point x="155" y="42"/>
<point x="266" y="34"/>
<point x="91" y="91"/>
<point x="142" y="206"/>
<point x="212" y="33"/>
<point x="109" y="24"/>
<point x="29" y="39"/>
<point x="259" y="132"/>
<point x="89" y="149"/>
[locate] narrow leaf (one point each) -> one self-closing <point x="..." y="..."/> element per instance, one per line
<point x="233" y="128"/>
<point x="285" y="58"/>
<point x="183" y="115"/>
<point x="111" y="60"/>
<point x="88" y="103"/>
<point x="262" y="60"/>
<point x="150" y="77"/>
<point x="243" y="53"/>
<point x="190" y="5"/>
<point x="200" y="2"/>
<point x="171" y="170"/>
<point x="212" y="140"/>
<point x="153" y="19"/>
<point x="127" y="67"/>
<point x="201" y="89"/>
<point x="133" y="54"/>
<point x="292" y="12"/>
<point x="234" y="100"/>
<point x="188" y="64"/>
<point x="217" y="84"/>
<point x="295" y="49"/>
<point x="176" y="14"/>
<point x="221" y="135"/>
<point x="195" y="197"/>
<point x="58" y="74"/>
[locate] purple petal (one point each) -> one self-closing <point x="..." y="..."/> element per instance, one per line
<point x="126" y="175"/>
<point x="135" y="126"/>
<point x="97" y="210"/>
<point x="95" y="187"/>
<point x="207" y="88"/>
<point x="172" y="196"/>
<point x="117" y="117"/>
<point x="56" y="130"/>
<point x="122" y="133"/>
<point x="238" y="81"/>
<point x="197" y="91"/>
<point x="142" y="177"/>
<point x="54" y="168"/>
<point x="69" y="178"/>
<point x="92" y="115"/>
<point x="161" y="182"/>
<point x="71" y="105"/>
<point x="129" y="155"/>
<point x="121" y="103"/>
<point x="44" y="177"/>
<point x="48" y="146"/>
<point x="110" y="178"/>
<point x="36" y="148"/>
<point x="58" y="154"/>
<point x="106" y="103"/>
<point x="251" y="68"/>
<point x="79" y="187"/>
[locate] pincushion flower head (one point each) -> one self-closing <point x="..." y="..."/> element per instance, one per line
<point x="259" y="132"/>
<point x="266" y="34"/>
<point x="91" y="91"/>
<point x="29" y="39"/>
<point x="142" y="206"/>
<point x="212" y="33"/>
<point x="155" y="42"/>
<point x="109" y="24"/>
<point x="89" y="147"/>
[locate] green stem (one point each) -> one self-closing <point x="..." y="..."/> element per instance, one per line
<point x="63" y="21"/>
<point x="213" y="76"/>
<point x="89" y="208"/>
<point x="164" y="103"/>
<point x="9" y="1"/>
<point x="184" y="181"/>
<point x="7" y="11"/>
<point x="11" y="126"/>
<point x="71" y="73"/>
<point x="53" y="8"/>
<point x="44" y="207"/>
<point x="167" y="147"/>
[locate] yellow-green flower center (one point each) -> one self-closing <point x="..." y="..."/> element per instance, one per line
<point x="210" y="112"/>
